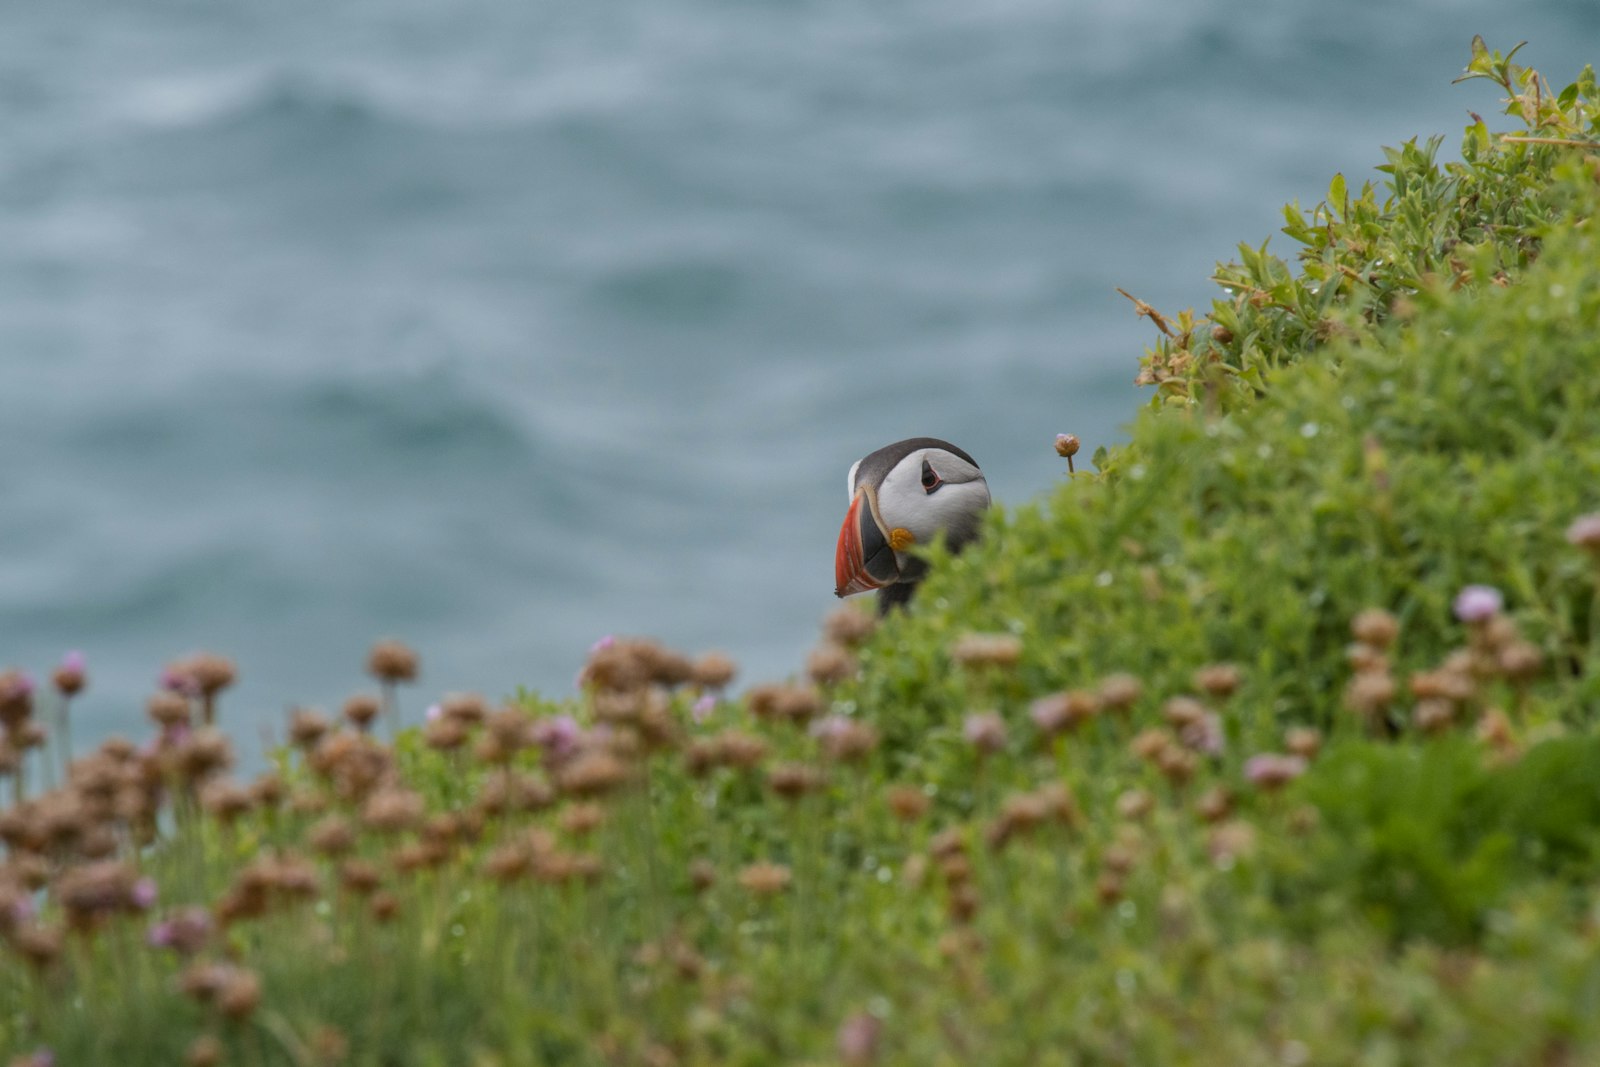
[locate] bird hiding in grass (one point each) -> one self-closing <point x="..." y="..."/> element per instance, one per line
<point x="903" y="495"/>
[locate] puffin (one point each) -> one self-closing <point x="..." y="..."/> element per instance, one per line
<point x="902" y="495"/>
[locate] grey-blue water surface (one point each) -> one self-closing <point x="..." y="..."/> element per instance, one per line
<point x="503" y="324"/>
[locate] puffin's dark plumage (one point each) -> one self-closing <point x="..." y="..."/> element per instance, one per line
<point x="902" y="495"/>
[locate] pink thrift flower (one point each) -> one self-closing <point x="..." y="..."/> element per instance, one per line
<point x="74" y="661"/>
<point x="1204" y="735"/>
<point x="1272" y="771"/>
<point x="144" y="894"/>
<point x="702" y="708"/>
<point x="1478" y="603"/>
<point x="985" y="731"/>
<point x="559" y="735"/>
<point x="1585" y="531"/>
<point x="433" y="713"/>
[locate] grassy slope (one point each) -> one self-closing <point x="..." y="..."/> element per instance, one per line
<point x="1416" y="896"/>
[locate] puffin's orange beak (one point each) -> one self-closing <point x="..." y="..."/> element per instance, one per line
<point x="864" y="559"/>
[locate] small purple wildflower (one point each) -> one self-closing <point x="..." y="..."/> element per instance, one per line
<point x="702" y="708"/>
<point x="185" y="932"/>
<point x="559" y="735"/>
<point x="179" y="682"/>
<point x="1478" y="603"/>
<point x="985" y="731"/>
<point x="74" y="661"/>
<point x="1204" y="736"/>
<point x="1272" y="770"/>
<point x="18" y="685"/>
<point x="601" y="645"/>
<point x="143" y="895"/>
<point x="830" y="726"/>
<point x="1585" y="532"/>
<point x="434" y="712"/>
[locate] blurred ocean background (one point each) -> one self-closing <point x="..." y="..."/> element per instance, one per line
<point x="500" y="325"/>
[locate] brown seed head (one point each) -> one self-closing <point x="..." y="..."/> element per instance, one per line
<point x="1375" y="627"/>
<point x="848" y="626"/>
<point x="362" y="709"/>
<point x="393" y="809"/>
<point x="581" y="819"/>
<point x="1150" y="743"/>
<point x="740" y="750"/>
<point x="444" y="734"/>
<point x="1135" y="805"/>
<point x="908" y="802"/>
<point x="467" y="709"/>
<point x="1183" y="712"/>
<point x="240" y="995"/>
<point x="392" y="662"/>
<point x="385" y="906"/>
<point x="332" y="836"/>
<point x="702" y="875"/>
<point x="1218" y="680"/>
<point x="69" y="679"/>
<point x="1303" y="741"/>
<point x="830" y="664"/>
<point x="1521" y="661"/>
<point x="225" y="801"/>
<point x="713" y="670"/>
<point x="1120" y="692"/>
<point x="306" y="727"/>
<point x="845" y="740"/>
<point x="1215" y="804"/>
<point x="359" y="877"/>
<point x="207" y="1050"/>
<point x="1366" y="659"/>
<point x="977" y="651"/>
<point x="168" y="709"/>
<point x="593" y="772"/>
<point x="1370" y="693"/>
<point x="791" y="781"/>
<point x="209" y="672"/>
<point x="1067" y="445"/>
<point x="16" y="697"/>
<point x="786" y="703"/>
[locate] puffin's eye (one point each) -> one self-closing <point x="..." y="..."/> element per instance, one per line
<point x="930" y="478"/>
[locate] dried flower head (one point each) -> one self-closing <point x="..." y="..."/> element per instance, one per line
<point x="207" y="1050"/>
<point x="16" y="697"/>
<point x="908" y="802"/>
<point x="1375" y="627"/>
<point x="1303" y="741"/>
<point x="209" y="672"/>
<point x="848" y="626"/>
<point x="713" y="670"/>
<point x="791" y="781"/>
<point x="843" y="739"/>
<point x="1370" y="693"/>
<point x="240" y="994"/>
<point x="393" y="809"/>
<point x="70" y="675"/>
<point x="1067" y="445"/>
<point x="1218" y="680"/>
<point x="985" y="731"/>
<point x="1271" y="771"/>
<point x="392" y="662"/>
<point x="1120" y="692"/>
<point x="830" y="664"/>
<point x="789" y="703"/>
<point x="764" y="878"/>
<point x="1585" y="533"/>
<point x="592" y="773"/>
<point x="977" y="651"/>
<point x="361" y="710"/>
<point x="1061" y="712"/>
<point x="306" y="727"/>
<point x="858" y="1038"/>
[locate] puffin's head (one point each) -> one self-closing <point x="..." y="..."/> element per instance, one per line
<point x="902" y="495"/>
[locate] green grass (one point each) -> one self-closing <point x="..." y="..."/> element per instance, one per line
<point x="734" y="891"/>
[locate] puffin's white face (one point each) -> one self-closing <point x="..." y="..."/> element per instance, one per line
<point x="903" y="495"/>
